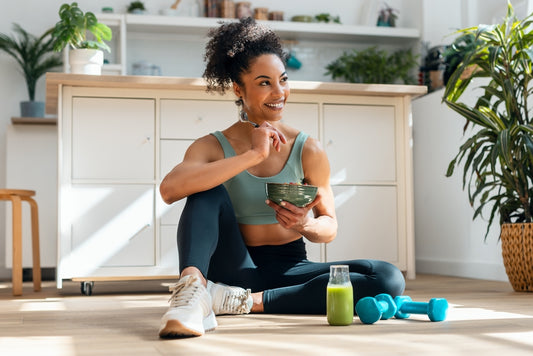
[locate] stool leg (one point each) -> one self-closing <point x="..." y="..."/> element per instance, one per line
<point x="35" y="245"/>
<point x="16" y="274"/>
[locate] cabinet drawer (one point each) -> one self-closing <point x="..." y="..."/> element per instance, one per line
<point x="302" y="116"/>
<point x="191" y="119"/>
<point x="172" y="152"/>
<point x="368" y="221"/>
<point x="361" y="143"/>
<point x="169" y="248"/>
<point x="113" y="138"/>
<point x="111" y="225"/>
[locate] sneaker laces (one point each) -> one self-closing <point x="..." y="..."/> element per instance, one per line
<point x="185" y="292"/>
<point x="235" y="301"/>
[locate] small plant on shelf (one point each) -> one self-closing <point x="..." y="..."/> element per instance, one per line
<point x="33" y="54"/>
<point x="375" y="66"/>
<point x="327" y="18"/>
<point x="136" y="7"/>
<point x="387" y="16"/>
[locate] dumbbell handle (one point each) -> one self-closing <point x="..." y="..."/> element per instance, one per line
<point x="436" y="308"/>
<point x="414" y="308"/>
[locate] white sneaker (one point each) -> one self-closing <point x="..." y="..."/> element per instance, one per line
<point x="190" y="312"/>
<point x="228" y="299"/>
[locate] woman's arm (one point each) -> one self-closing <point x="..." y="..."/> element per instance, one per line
<point x="322" y="227"/>
<point x="204" y="166"/>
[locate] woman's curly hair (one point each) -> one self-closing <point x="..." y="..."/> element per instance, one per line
<point x="232" y="47"/>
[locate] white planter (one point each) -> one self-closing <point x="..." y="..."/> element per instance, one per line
<point x="86" y="61"/>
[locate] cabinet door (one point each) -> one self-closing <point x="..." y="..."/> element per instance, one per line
<point x="111" y="226"/>
<point x="191" y="119"/>
<point x="172" y="152"/>
<point x="169" y="249"/>
<point x="367" y="219"/>
<point x="360" y="142"/>
<point x="112" y="139"/>
<point x="303" y="116"/>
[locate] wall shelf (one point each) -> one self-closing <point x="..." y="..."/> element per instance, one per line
<point x="34" y="120"/>
<point x="124" y="25"/>
<point x="286" y="29"/>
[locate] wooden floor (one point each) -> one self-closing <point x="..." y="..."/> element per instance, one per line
<point x="485" y="318"/>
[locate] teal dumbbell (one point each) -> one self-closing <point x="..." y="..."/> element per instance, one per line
<point x="436" y="309"/>
<point x="371" y="309"/>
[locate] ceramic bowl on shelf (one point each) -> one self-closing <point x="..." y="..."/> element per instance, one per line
<point x="168" y="12"/>
<point x="302" y="18"/>
<point x="297" y="194"/>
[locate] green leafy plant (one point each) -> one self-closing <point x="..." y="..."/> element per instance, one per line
<point x="453" y="55"/>
<point x="327" y="18"/>
<point x="387" y="16"/>
<point x="498" y="156"/>
<point x="136" y="5"/>
<point x="34" y="55"/>
<point x="74" y="27"/>
<point x="374" y="66"/>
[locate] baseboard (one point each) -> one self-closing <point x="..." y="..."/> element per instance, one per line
<point x="476" y="270"/>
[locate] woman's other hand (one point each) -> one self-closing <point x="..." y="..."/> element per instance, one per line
<point x="292" y="217"/>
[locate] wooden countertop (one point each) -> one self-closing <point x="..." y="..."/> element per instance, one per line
<point x="55" y="80"/>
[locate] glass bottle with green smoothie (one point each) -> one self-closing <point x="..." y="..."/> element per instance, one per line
<point x="339" y="296"/>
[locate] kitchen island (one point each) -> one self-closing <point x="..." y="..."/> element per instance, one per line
<point x="119" y="135"/>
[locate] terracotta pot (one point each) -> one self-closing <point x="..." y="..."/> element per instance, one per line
<point x="517" y="252"/>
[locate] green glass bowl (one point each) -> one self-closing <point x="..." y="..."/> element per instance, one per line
<point x="299" y="195"/>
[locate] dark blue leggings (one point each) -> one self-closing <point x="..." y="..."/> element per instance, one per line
<point x="209" y="239"/>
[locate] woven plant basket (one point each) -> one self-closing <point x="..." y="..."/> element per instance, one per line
<point x="517" y="251"/>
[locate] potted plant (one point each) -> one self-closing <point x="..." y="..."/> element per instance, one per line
<point x="35" y="57"/>
<point x="498" y="151"/>
<point x="73" y="30"/>
<point x="374" y="66"/>
<point x="136" y="7"/>
<point x="387" y="16"/>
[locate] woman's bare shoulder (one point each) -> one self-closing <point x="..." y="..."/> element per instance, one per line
<point x="313" y="146"/>
<point x="207" y="146"/>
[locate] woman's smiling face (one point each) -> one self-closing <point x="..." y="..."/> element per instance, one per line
<point x="264" y="89"/>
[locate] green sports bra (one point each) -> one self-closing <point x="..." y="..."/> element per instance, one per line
<point x="247" y="192"/>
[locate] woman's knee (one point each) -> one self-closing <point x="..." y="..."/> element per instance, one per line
<point x="212" y="195"/>
<point x="208" y="199"/>
<point x="391" y="278"/>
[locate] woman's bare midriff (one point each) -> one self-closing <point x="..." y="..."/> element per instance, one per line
<point x="271" y="234"/>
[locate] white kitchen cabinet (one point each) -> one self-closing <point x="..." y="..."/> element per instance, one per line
<point x="365" y="144"/>
<point x="304" y="116"/>
<point x="360" y="141"/>
<point x="113" y="139"/>
<point x="368" y="225"/>
<point x="112" y="225"/>
<point x="192" y="119"/>
<point x="120" y="135"/>
<point x="107" y="188"/>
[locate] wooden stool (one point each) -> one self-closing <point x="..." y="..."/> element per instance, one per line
<point x="17" y="196"/>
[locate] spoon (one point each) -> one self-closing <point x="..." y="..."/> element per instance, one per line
<point x="244" y="118"/>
